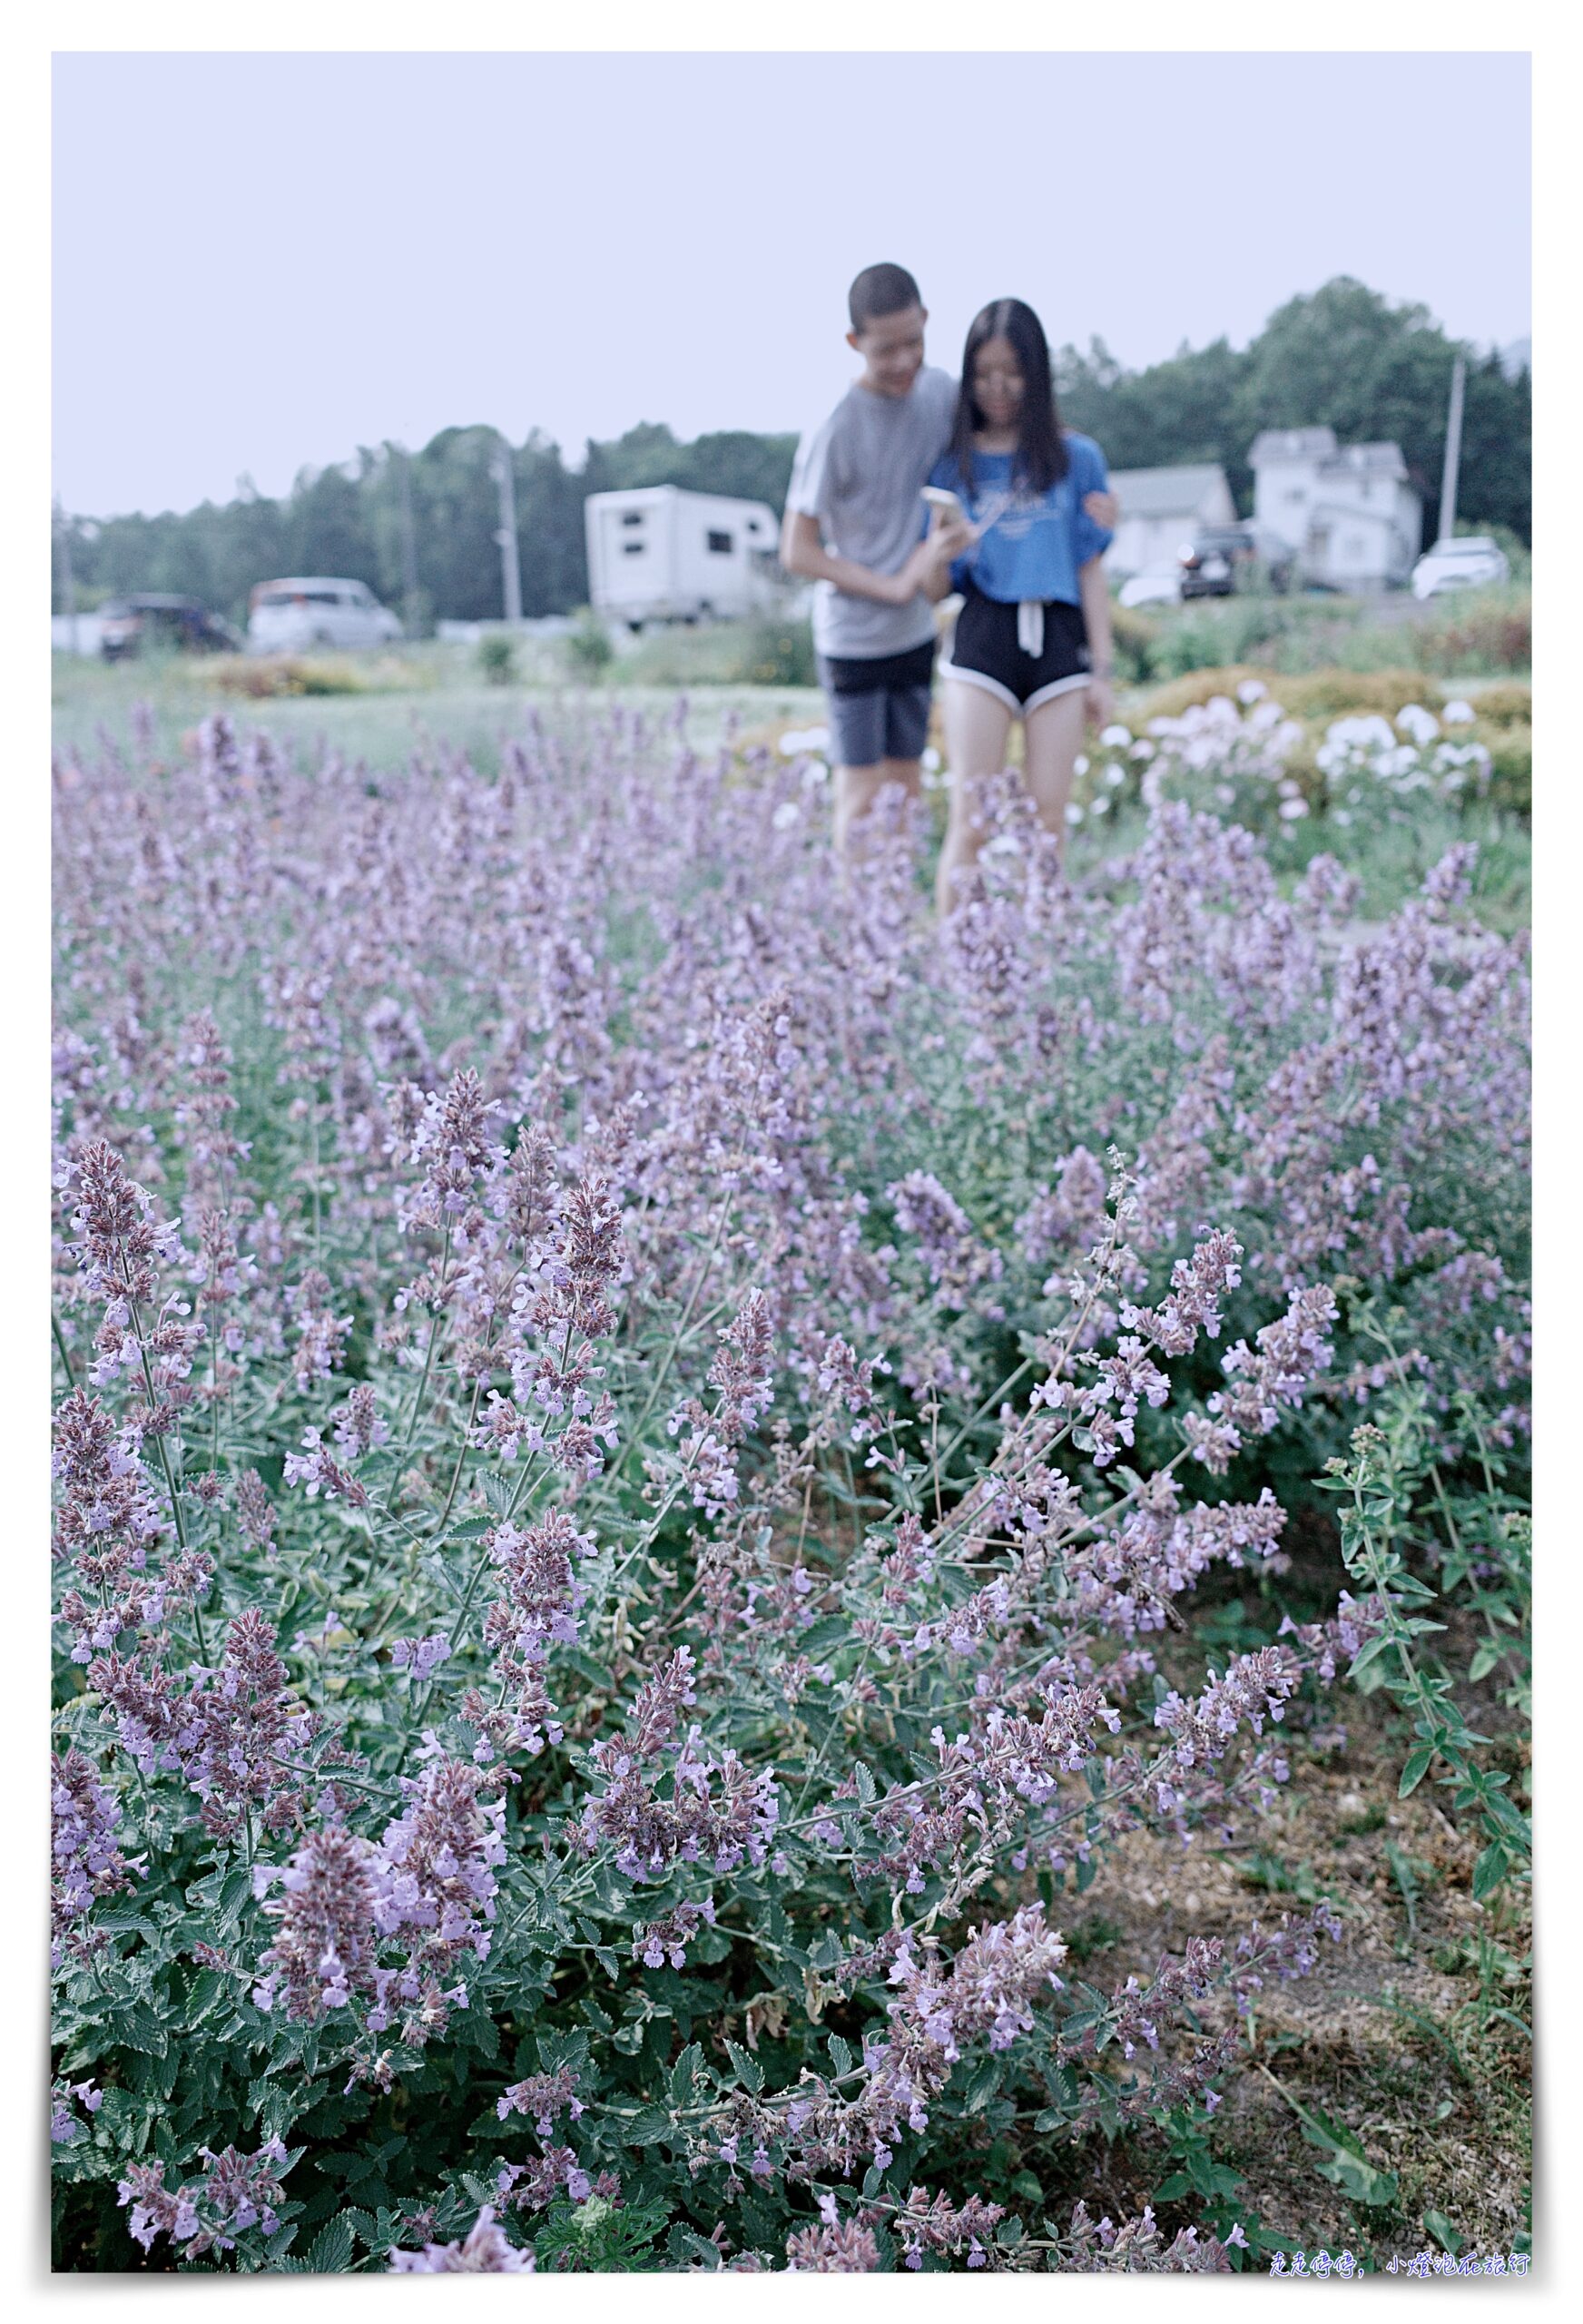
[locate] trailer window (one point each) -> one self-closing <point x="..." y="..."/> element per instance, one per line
<point x="632" y="548"/>
<point x="632" y="517"/>
<point x="719" y="544"/>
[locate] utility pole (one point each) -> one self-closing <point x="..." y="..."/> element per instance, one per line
<point x="68" y="578"/>
<point x="412" y="608"/>
<point x="510" y="567"/>
<point x="1453" y="451"/>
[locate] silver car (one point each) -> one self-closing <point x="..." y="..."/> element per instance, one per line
<point x="1471" y="563"/>
<point x="291" y="616"/>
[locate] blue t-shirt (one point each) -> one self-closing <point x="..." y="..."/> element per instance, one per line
<point x="1036" y="544"/>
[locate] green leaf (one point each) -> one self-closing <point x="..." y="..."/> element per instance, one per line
<point x="982" y="2084"/>
<point x="1490" y="1871"/>
<point x="1437" y="2224"/>
<point x="330" y="2252"/>
<point x="833" y="1630"/>
<point x="685" y="2073"/>
<point x="1346" y="2166"/>
<point x="864" y="1777"/>
<point x="840" y="2054"/>
<point x="1417" y="1767"/>
<point x="749" y="2069"/>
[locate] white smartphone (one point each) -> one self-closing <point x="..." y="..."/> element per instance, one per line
<point x="948" y="505"/>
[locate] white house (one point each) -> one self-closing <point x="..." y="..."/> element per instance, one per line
<point x="1349" y="512"/>
<point x="660" y="554"/>
<point x="1161" y="509"/>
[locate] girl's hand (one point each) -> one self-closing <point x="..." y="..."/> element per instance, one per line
<point x="1099" y="702"/>
<point x="930" y="560"/>
<point x="1104" y="508"/>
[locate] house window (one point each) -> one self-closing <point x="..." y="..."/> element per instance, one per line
<point x="632" y="517"/>
<point x="632" y="548"/>
<point x="717" y="544"/>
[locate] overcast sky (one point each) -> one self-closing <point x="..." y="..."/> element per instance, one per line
<point x="262" y="261"/>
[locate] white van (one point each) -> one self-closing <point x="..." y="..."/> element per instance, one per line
<point x="288" y="616"/>
<point x="660" y="554"/>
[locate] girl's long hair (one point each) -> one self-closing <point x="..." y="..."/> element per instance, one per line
<point x="1040" y="458"/>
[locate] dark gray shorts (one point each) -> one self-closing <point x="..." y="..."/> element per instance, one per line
<point x="878" y="709"/>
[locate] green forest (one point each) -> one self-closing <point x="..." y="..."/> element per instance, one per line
<point x="1343" y="356"/>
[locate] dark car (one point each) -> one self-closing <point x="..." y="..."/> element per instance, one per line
<point x="128" y="624"/>
<point x="1220" y="559"/>
<point x="1214" y="559"/>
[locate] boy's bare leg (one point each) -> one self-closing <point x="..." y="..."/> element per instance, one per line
<point x="978" y="724"/>
<point x="858" y="787"/>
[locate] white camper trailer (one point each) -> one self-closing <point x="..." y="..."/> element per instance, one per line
<point x="664" y="554"/>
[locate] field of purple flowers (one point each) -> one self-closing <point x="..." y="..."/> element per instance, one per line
<point x="659" y="1461"/>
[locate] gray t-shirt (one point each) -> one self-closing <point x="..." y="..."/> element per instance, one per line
<point x="860" y="474"/>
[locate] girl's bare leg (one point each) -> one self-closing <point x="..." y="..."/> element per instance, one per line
<point x="977" y="725"/>
<point x="1052" y="739"/>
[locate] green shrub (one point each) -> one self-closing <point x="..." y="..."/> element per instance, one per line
<point x="497" y="658"/>
<point x="778" y="654"/>
<point x="588" y="645"/>
<point x="1486" y="629"/>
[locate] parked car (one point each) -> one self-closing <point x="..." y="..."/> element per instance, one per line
<point x="287" y="616"/>
<point x="1216" y="560"/>
<point x="128" y="624"/>
<point x="1160" y="588"/>
<point x="1469" y="564"/>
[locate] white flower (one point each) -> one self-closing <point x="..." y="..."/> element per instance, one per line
<point x="811" y="738"/>
<point x="1116" y="738"/>
<point x="787" y="813"/>
<point x="1114" y="776"/>
<point x="1342" y="815"/>
<point x="1420" y="724"/>
<point x="931" y="759"/>
<point x="1074" y="812"/>
<point x="1459" y="713"/>
<point x="1252" y="690"/>
<point x="1361" y="733"/>
<point x="1293" y="810"/>
<point x="1100" y="806"/>
<point x="1080" y="763"/>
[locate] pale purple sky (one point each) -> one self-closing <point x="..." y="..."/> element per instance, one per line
<point x="261" y="261"/>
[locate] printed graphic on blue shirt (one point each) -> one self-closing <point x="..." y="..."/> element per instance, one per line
<point x="1034" y="543"/>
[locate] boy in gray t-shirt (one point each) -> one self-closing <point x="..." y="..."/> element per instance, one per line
<point x="852" y="525"/>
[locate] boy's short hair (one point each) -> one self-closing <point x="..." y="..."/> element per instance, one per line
<point x="882" y="290"/>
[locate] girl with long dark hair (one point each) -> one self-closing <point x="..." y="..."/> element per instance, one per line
<point x="1033" y="637"/>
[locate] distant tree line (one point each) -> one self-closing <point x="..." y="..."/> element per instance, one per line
<point x="1343" y="358"/>
<point x="356" y="520"/>
<point x="419" y="527"/>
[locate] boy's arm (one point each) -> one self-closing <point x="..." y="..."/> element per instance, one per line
<point x="1093" y="590"/>
<point x="802" y="552"/>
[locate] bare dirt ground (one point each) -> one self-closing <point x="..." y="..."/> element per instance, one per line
<point x="1393" y="2036"/>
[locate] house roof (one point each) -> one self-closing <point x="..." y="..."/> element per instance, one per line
<point x="1292" y="444"/>
<point x="1166" y="492"/>
<point x="1375" y="459"/>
